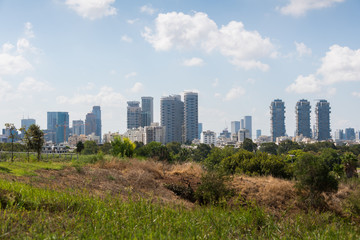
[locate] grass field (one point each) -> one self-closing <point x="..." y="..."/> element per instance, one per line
<point x="38" y="211"/>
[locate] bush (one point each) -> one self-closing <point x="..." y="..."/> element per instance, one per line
<point x="213" y="189"/>
<point x="314" y="177"/>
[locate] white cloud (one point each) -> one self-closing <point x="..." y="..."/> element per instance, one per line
<point x="181" y="31"/>
<point x="356" y="94"/>
<point x="251" y="80"/>
<point x="106" y="97"/>
<point x="130" y="75"/>
<point x="28" y="30"/>
<point x="13" y="64"/>
<point x="6" y="90"/>
<point x="302" y="49"/>
<point x="193" y="62"/>
<point x="23" y="45"/>
<point x="298" y="8"/>
<point x="148" y="9"/>
<point x="7" y="47"/>
<point x="31" y="85"/>
<point x="234" y="93"/>
<point x="92" y="9"/>
<point x="132" y="21"/>
<point x="308" y="84"/>
<point x="126" y="38"/>
<point x="340" y="64"/>
<point x="138" y="87"/>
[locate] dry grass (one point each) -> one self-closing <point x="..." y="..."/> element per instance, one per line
<point x="147" y="179"/>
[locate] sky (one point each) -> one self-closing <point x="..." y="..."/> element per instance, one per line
<point x="239" y="55"/>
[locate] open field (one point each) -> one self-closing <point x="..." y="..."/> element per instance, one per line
<point x="116" y="199"/>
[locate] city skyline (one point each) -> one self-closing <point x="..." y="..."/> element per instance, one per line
<point x="77" y="54"/>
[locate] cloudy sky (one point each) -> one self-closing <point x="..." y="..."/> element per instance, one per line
<point x="68" y="55"/>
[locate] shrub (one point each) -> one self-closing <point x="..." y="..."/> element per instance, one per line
<point x="314" y="177"/>
<point x="213" y="189"/>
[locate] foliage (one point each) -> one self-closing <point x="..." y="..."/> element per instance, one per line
<point x="185" y="192"/>
<point x="33" y="213"/>
<point x="269" y="147"/>
<point x="217" y="155"/>
<point x="174" y="147"/>
<point x="35" y="139"/>
<point x="79" y="146"/>
<point x="249" y="145"/>
<point x="106" y="148"/>
<point x="330" y="156"/>
<point x="154" y="150"/>
<point x="350" y="163"/>
<point x="288" y="145"/>
<point x="122" y="147"/>
<point x="201" y="152"/>
<point x="313" y="176"/>
<point x="90" y="147"/>
<point x="12" y="135"/>
<point x="212" y="188"/>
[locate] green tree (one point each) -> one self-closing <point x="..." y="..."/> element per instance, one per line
<point x="287" y="146"/>
<point x="314" y="177"/>
<point x="106" y="148"/>
<point x="90" y="147"/>
<point x="12" y="135"/>
<point x="201" y="152"/>
<point x="269" y="147"/>
<point x="79" y="147"/>
<point x="249" y="145"/>
<point x="350" y="163"/>
<point x="122" y="147"/>
<point x="35" y="139"/>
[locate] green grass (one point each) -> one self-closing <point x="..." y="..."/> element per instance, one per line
<point x="34" y="213"/>
<point x="28" y="168"/>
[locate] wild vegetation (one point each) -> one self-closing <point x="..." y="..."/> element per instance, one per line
<point x="126" y="190"/>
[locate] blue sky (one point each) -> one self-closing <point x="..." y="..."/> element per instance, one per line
<point x="68" y="55"/>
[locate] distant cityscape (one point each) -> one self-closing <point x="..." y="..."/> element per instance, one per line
<point x="179" y="123"/>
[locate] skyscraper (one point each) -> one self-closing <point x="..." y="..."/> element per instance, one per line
<point x="190" y="116"/>
<point x="58" y="123"/>
<point x="350" y="134"/>
<point x="25" y="124"/>
<point x="258" y="133"/>
<point x="97" y="111"/>
<point x="248" y="125"/>
<point x="90" y="124"/>
<point x="302" y="111"/>
<point x="133" y="114"/>
<point x="322" y="112"/>
<point x="200" y="129"/>
<point x="147" y="111"/>
<point x="235" y="127"/>
<point x="277" y="111"/>
<point x="172" y="117"/>
<point x="78" y="127"/>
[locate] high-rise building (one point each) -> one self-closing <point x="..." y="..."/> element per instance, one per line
<point x="322" y="112"/>
<point x="133" y="114"/>
<point x="147" y="111"/>
<point x="242" y="123"/>
<point x="235" y="127"/>
<point x="339" y="135"/>
<point x="154" y="133"/>
<point x="90" y="124"/>
<point x="243" y="134"/>
<point x="350" y="134"/>
<point x="172" y="117"/>
<point x="200" y="129"/>
<point x="191" y="116"/>
<point x="58" y="123"/>
<point x="78" y="127"/>
<point x="208" y="137"/>
<point x="258" y="133"/>
<point x="277" y="111"/>
<point x="97" y="111"/>
<point x="302" y="111"/>
<point x="25" y="124"/>
<point x="248" y="125"/>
